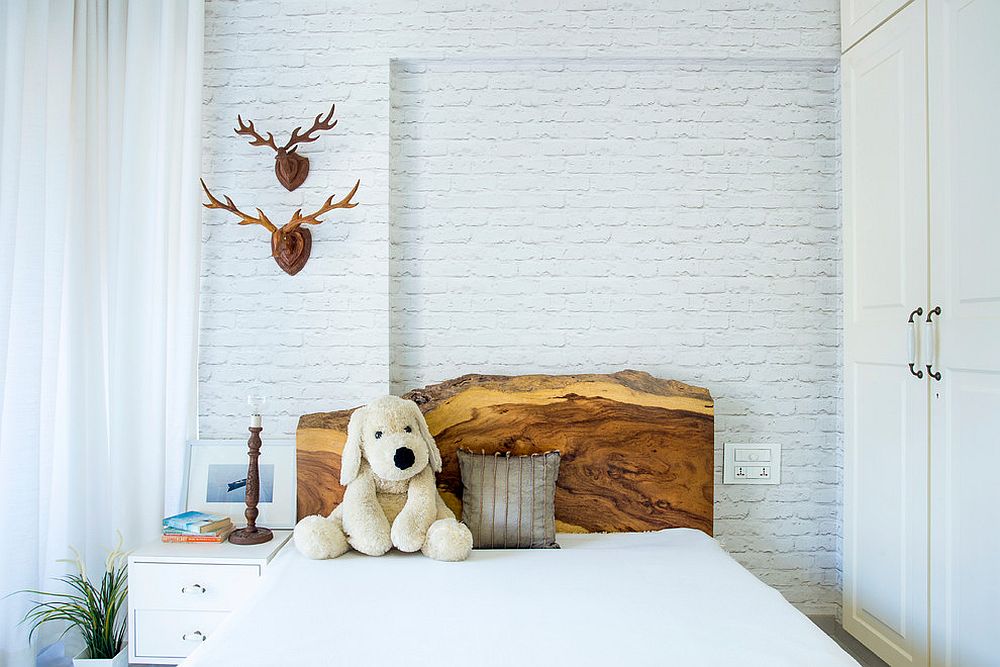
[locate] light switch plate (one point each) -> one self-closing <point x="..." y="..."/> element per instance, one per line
<point x="751" y="463"/>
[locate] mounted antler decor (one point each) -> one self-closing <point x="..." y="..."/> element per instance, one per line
<point x="290" y="167"/>
<point x="291" y="243"/>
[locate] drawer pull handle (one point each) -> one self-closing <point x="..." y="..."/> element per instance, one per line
<point x="193" y="589"/>
<point x="195" y="636"/>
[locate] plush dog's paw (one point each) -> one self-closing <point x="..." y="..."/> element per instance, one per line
<point x="407" y="533"/>
<point x="318" y="538"/>
<point x="371" y="542"/>
<point x="448" y="540"/>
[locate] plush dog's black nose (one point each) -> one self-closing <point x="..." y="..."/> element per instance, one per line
<point x="403" y="458"/>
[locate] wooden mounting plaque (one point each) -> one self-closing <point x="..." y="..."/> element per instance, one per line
<point x="637" y="452"/>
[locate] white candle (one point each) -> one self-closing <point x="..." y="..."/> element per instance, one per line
<point x="256" y="401"/>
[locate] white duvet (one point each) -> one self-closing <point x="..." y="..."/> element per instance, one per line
<point x="672" y="597"/>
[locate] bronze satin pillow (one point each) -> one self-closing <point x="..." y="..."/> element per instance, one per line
<point x="508" y="502"/>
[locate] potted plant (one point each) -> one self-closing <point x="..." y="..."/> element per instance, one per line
<point x="94" y="609"/>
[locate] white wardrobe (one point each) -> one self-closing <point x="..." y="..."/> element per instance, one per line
<point x="921" y="168"/>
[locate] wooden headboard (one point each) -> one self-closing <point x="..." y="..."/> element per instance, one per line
<point x="637" y="452"/>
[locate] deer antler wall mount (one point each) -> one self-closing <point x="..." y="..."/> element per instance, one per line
<point x="290" y="243"/>
<point x="290" y="167"/>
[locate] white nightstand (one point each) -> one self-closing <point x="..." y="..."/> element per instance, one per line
<point x="179" y="593"/>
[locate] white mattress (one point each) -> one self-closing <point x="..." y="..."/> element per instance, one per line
<point x="672" y="597"/>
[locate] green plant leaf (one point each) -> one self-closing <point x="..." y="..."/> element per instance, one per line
<point x="95" y="610"/>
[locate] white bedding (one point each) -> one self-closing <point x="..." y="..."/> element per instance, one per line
<point x="672" y="597"/>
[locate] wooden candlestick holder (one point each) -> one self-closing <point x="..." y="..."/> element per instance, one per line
<point x="252" y="534"/>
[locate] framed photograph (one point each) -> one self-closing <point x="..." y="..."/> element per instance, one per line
<point x="217" y="475"/>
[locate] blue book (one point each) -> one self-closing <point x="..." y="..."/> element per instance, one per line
<point x="195" y="522"/>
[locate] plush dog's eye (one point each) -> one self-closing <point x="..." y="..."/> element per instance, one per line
<point x="378" y="434"/>
<point x="408" y="429"/>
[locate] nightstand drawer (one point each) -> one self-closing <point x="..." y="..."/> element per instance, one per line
<point x="173" y="634"/>
<point x="190" y="586"/>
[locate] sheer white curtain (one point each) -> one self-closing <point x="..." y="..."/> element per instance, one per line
<point x="100" y="113"/>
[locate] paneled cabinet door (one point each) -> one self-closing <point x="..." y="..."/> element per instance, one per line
<point x="885" y="408"/>
<point x="859" y="17"/>
<point x="964" y="96"/>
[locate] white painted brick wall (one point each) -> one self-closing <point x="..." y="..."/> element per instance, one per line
<point x="584" y="187"/>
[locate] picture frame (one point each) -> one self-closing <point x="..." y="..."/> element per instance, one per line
<point x="215" y="477"/>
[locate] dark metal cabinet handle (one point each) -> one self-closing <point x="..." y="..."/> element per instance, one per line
<point x="193" y="589"/>
<point x="930" y="342"/>
<point x="196" y="636"/>
<point x="911" y="341"/>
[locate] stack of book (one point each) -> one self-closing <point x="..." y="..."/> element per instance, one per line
<point x="196" y="527"/>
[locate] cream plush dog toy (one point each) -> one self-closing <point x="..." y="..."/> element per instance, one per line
<point x="391" y="500"/>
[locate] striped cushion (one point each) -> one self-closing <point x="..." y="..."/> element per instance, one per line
<point x="508" y="502"/>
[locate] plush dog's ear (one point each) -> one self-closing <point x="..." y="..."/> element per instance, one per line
<point x="432" y="448"/>
<point x="350" y="458"/>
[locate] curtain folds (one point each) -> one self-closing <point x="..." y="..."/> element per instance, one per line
<point x="100" y="126"/>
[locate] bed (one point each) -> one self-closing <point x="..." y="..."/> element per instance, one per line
<point x="671" y="597"/>
<point x="638" y="580"/>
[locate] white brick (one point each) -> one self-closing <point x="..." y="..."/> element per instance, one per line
<point x="575" y="188"/>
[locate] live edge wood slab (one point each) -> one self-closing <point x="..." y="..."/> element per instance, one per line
<point x="637" y="452"/>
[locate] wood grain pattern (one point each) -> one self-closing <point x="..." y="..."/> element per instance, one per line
<point x="637" y="452"/>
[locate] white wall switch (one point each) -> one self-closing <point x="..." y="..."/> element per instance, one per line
<point x="751" y="463"/>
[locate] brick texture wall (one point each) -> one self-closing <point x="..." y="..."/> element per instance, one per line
<point x="655" y="187"/>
